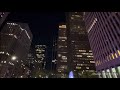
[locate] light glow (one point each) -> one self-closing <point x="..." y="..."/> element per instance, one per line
<point x="71" y="74"/>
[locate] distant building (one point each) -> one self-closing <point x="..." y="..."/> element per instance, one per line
<point x="54" y="55"/>
<point x="32" y="62"/>
<point x="41" y="51"/>
<point x="80" y="55"/>
<point x="62" y="59"/>
<point x="15" y="41"/>
<point x="103" y="30"/>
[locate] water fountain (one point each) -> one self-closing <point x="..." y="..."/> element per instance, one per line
<point x="71" y="74"/>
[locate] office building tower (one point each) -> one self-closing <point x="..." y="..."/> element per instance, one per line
<point x="80" y="55"/>
<point x="15" y="41"/>
<point x="62" y="60"/>
<point x="3" y="16"/>
<point x="54" y="54"/>
<point x="32" y="62"/>
<point x="103" y="30"/>
<point x="41" y="52"/>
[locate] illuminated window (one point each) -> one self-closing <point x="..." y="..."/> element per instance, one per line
<point x="78" y="55"/>
<point x="114" y="73"/>
<point x="77" y="15"/>
<point x="78" y="67"/>
<point x="113" y="56"/>
<point x="63" y="60"/>
<point x="62" y="26"/>
<point x="110" y="57"/>
<point x="63" y="66"/>
<point x="4" y="61"/>
<point x="107" y="58"/>
<point x="72" y="17"/>
<point x="89" y="56"/>
<point x="108" y="73"/>
<point x="82" y="50"/>
<point x="59" y="55"/>
<point x="62" y="37"/>
<point x="116" y="55"/>
<point x="63" y="40"/>
<point x="64" y="57"/>
<point x="95" y="20"/>
<point x="118" y="52"/>
<point x="15" y="36"/>
<point x="103" y="74"/>
<point x="87" y="67"/>
<point x="1" y="61"/>
<point x="90" y="50"/>
<point x="118" y="68"/>
<point x="92" y="61"/>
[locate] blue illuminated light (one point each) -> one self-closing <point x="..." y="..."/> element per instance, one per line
<point x="71" y="74"/>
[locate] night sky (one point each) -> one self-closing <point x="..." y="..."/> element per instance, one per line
<point x="44" y="26"/>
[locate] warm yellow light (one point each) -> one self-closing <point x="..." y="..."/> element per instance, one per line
<point x="118" y="52"/>
<point x="13" y="58"/>
<point x="113" y="56"/>
<point x="116" y="55"/>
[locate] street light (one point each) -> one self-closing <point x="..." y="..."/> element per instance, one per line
<point x="13" y="58"/>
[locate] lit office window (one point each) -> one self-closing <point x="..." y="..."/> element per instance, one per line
<point x="90" y="50"/>
<point x="118" y="52"/>
<point x="78" y="55"/>
<point x="82" y="50"/>
<point x="62" y="26"/>
<point x="99" y="75"/>
<point x="103" y="74"/>
<point x="118" y="68"/>
<point x="78" y="67"/>
<point x="116" y="55"/>
<point x="92" y="61"/>
<point x="72" y="17"/>
<point x="108" y="73"/>
<point x="59" y="55"/>
<point x="87" y="67"/>
<point x="114" y="73"/>
<point x="64" y="57"/>
<point x="89" y="56"/>
<point x="113" y="56"/>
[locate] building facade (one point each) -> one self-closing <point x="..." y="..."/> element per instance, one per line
<point x="15" y="41"/>
<point x="54" y="55"/>
<point x="41" y="52"/>
<point x="32" y="62"/>
<point x="104" y="33"/>
<point x="3" y="16"/>
<point x="80" y="54"/>
<point x="62" y="53"/>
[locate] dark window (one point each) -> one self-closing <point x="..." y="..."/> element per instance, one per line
<point x="115" y="29"/>
<point x="118" y="16"/>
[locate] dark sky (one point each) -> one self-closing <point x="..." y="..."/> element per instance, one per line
<point x="42" y="25"/>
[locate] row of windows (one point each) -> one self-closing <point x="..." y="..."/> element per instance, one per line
<point x="110" y="73"/>
<point x="109" y="57"/>
<point x="111" y="33"/>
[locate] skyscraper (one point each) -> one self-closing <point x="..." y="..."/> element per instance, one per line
<point x="3" y="16"/>
<point x="15" y="41"/>
<point x="41" y="52"/>
<point x="104" y="33"/>
<point x="54" y="55"/>
<point x="32" y="62"/>
<point x="62" y="61"/>
<point x="80" y="55"/>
